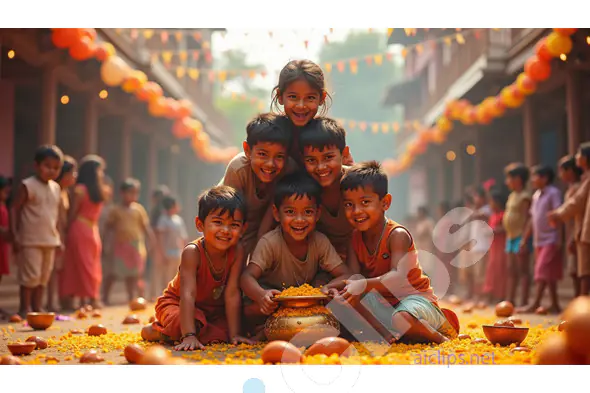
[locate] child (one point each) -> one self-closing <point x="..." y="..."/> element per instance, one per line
<point x="578" y="207"/>
<point x="515" y="221"/>
<point x="301" y="91"/>
<point x="35" y="223"/>
<point x="107" y="248"/>
<point x="496" y="270"/>
<point x="323" y="145"/>
<point x="202" y="304"/>
<point x="172" y="237"/>
<point x="82" y="272"/>
<point x="293" y="253"/>
<point x="66" y="179"/>
<point x="571" y="175"/>
<point x="5" y="235"/>
<point x="546" y="239"/>
<point x="385" y="254"/>
<point x="479" y="250"/>
<point x="127" y="227"/>
<point x="255" y="171"/>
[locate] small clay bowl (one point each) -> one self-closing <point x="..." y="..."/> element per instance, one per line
<point x="40" y="320"/>
<point x="505" y="335"/>
<point x="18" y="349"/>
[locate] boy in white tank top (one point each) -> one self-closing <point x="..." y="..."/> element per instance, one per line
<point x="35" y="216"/>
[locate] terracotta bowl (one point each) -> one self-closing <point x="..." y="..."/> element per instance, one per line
<point x="18" y="349"/>
<point x="40" y="320"/>
<point x="505" y="335"/>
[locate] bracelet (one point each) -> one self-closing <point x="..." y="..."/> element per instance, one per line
<point x="188" y="335"/>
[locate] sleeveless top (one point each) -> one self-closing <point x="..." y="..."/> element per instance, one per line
<point x="38" y="221"/>
<point x="209" y="296"/>
<point x="408" y="278"/>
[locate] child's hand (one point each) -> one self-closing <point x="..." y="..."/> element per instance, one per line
<point x="267" y="305"/>
<point x="523" y="247"/>
<point x="553" y="218"/>
<point x="190" y="343"/>
<point x="332" y="292"/>
<point x="353" y="291"/>
<point x="243" y="340"/>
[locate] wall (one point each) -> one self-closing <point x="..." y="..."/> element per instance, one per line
<point x="6" y="128"/>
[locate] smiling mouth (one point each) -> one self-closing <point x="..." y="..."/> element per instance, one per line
<point x="268" y="172"/>
<point x="300" y="116"/>
<point x="299" y="231"/>
<point x="323" y="175"/>
<point x="223" y="238"/>
<point x="360" y="220"/>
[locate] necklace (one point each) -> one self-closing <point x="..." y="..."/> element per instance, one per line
<point x="378" y="242"/>
<point x="217" y="274"/>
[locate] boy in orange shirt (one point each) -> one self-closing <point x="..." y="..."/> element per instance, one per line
<point x="384" y="253"/>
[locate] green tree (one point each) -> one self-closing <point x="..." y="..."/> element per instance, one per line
<point x="358" y="96"/>
<point x="238" y="111"/>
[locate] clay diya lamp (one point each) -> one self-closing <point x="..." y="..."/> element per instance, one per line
<point x="40" y="320"/>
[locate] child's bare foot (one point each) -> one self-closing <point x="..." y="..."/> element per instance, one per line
<point x="527" y="309"/>
<point x="554" y="309"/>
<point x="148" y="333"/>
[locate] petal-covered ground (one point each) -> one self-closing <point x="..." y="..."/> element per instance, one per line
<point x="67" y="341"/>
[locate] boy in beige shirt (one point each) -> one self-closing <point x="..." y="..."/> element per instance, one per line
<point x="255" y="172"/>
<point x="35" y="223"/>
<point x="292" y="254"/>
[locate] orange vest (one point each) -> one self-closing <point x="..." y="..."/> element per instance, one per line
<point x="411" y="281"/>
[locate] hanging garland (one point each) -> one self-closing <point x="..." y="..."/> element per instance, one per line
<point x="114" y="71"/>
<point x="536" y="69"/>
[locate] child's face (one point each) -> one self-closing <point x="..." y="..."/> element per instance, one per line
<point x="298" y="216"/>
<point x="566" y="175"/>
<point x="581" y="161"/>
<point x="221" y="231"/>
<point x="325" y="166"/>
<point x="68" y="179"/>
<point x="538" y="182"/>
<point x="478" y="200"/>
<point x="363" y="207"/>
<point x="301" y="102"/>
<point x="174" y="209"/>
<point x="107" y="192"/>
<point x="267" y="159"/>
<point x="129" y="196"/>
<point x="513" y="182"/>
<point x="48" y="169"/>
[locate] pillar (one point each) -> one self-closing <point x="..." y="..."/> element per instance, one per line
<point x="126" y="151"/>
<point x="7" y="128"/>
<point x="152" y="173"/>
<point x="48" y="106"/>
<point x="91" y="127"/>
<point x="573" y="99"/>
<point x="529" y="133"/>
<point x="173" y="169"/>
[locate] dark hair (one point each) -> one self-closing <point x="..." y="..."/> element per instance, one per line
<point x="130" y="184"/>
<point x="299" y="184"/>
<point x="322" y="132"/>
<point x="569" y="163"/>
<point x="44" y="152"/>
<point x="305" y="70"/>
<point x="480" y="192"/>
<point x="89" y="165"/>
<point x="544" y="171"/>
<point x="268" y="127"/>
<point x="168" y="202"/>
<point x="517" y="169"/>
<point x="584" y="150"/>
<point x="225" y="198"/>
<point x="161" y="191"/>
<point x="4" y="182"/>
<point x="499" y="198"/>
<point x="365" y="174"/>
<point x="69" y="165"/>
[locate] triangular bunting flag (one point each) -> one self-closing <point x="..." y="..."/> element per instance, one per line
<point x="180" y="72"/>
<point x="164" y="37"/>
<point x="147" y="34"/>
<point x="378" y="59"/>
<point x="328" y="67"/>
<point x="183" y="55"/>
<point x="167" y="57"/>
<point x="193" y="73"/>
<point x="178" y="35"/>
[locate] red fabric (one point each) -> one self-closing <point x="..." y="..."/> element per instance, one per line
<point x="452" y="318"/>
<point x="4" y="246"/>
<point x="82" y="271"/>
<point x="208" y="310"/>
<point x="497" y="268"/>
<point x="549" y="263"/>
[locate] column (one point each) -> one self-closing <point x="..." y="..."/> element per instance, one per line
<point x="7" y="128"/>
<point x="152" y="175"/>
<point x="529" y="134"/>
<point x="573" y="99"/>
<point x="173" y="169"/>
<point x="48" y="106"/>
<point x="91" y="127"/>
<point x="126" y="151"/>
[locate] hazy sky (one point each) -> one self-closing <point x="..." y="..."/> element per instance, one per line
<point x="276" y="50"/>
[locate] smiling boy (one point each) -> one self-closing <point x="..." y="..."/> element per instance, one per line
<point x="255" y="171"/>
